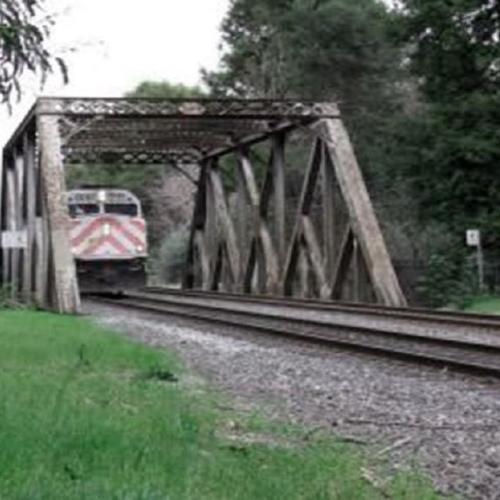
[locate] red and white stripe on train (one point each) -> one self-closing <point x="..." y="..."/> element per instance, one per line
<point x="108" y="230"/>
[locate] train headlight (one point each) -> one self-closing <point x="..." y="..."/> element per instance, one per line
<point x="140" y="248"/>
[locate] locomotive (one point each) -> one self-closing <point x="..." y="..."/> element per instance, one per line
<point x="108" y="239"/>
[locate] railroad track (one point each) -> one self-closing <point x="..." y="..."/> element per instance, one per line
<point x="355" y="308"/>
<point x="477" y="349"/>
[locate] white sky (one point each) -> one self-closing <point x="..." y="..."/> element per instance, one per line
<point x="120" y="43"/>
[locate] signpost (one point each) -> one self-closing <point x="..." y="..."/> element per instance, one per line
<point x="473" y="238"/>
<point x="14" y="239"/>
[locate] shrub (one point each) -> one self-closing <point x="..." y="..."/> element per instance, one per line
<point x="168" y="262"/>
<point x="8" y="300"/>
<point x="449" y="278"/>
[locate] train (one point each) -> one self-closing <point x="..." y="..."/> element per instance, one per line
<point x="108" y="238"/>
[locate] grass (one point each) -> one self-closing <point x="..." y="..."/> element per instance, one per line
<point x="485" y="304"/>
<point x="86" y="414"/>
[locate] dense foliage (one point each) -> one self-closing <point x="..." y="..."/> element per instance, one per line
<point x="454" y="45"/>
<point x="455" y="51"/>
<point x="330" y="49"/>
<point x="24" y="32"/>
<point x="325" y="50"/>
<point x="166" y="90"/>
<point x="302" y="48"/>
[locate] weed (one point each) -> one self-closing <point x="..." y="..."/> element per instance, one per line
<point x="160" y="374"/>
<point x="9" y="299"/>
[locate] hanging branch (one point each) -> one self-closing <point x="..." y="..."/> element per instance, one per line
<point x="24" y="33"/>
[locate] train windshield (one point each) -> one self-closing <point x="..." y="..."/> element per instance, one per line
<point x="121" y="209"/>
<point x="82" y="209"/>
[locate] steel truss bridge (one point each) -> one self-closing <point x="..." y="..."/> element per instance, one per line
<point x="255" y="250"/>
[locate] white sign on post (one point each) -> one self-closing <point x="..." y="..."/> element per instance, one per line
<point x="14" y="239"/>
<point x="473" y="237"/>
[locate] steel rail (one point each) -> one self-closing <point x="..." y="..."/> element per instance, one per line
<point x="463" y="355"/>
<point x="387" y="312"/>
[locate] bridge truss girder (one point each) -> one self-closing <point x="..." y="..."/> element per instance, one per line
<point x="35" y="255"/>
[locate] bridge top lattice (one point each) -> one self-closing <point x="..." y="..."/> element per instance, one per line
<point x="152" y="130"/>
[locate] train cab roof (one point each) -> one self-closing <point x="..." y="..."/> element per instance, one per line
<point x="102" y="195"/>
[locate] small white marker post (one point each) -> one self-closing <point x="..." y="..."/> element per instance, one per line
<point x="473" y="238"/>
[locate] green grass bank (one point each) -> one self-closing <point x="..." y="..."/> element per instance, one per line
<point x="87" y="414"/>
<point x="485" y="304"/>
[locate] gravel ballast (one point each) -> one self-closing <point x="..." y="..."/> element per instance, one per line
<point x="445" y="423"/>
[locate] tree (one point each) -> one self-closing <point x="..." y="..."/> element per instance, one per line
<point x="448" y="151"/>
<point x="454" y="45"/>
<point x="335" y="50"/>
<point x="165" y="89"/>
<point x="455" y="53"/>
<point x="303" y="48"/>
<point x="24" y="31"/>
